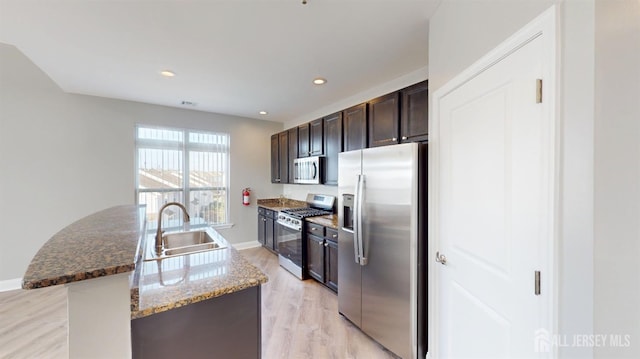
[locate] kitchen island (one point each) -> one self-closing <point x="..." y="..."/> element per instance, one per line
<point x="99" y="260"/>
<point x="199" y="305"/>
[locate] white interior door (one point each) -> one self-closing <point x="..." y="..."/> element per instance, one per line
<point x="493" y="223"/>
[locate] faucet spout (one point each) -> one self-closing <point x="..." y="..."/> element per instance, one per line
<point x="187" y="218"/>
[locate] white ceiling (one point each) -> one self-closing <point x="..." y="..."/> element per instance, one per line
<point x="234" y="57"/>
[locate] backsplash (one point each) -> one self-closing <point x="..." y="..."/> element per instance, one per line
<point x="299" y="192"/>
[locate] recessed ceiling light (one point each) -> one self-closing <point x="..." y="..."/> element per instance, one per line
<point x="263" y="112"/>
<point x="167" y="73"/>
<point x="319" y="81"/>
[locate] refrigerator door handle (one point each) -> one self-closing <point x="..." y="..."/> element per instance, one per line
<point x="356" y="221"/>
<point x="359" y="203"/>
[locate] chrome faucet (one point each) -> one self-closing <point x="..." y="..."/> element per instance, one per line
<point x="187" y="218"/>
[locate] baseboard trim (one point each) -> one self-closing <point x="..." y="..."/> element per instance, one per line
<point x="246" y="245"/>
<point x="10" y="284"/>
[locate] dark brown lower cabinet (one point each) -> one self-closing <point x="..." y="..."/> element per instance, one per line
<point x="331" y="264"/>
<point x="322" y="255"/>
<point x="315" y="257"/>
<point x="266" y="228"/>
<point x="223" y="327"/>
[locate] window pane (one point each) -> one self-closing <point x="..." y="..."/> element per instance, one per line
<point x="159" y="169"/>
<point x="172" y="216"/>
<point x="146" y="133"/>
<point x="208" y="138"/>
<point x="207" y="169"/>
<point x="208" y="207"/>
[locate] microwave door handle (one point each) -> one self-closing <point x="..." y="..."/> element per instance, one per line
<point x="315" y="171"/>
<point x="364" y="247"/>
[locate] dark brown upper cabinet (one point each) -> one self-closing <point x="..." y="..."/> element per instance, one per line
<point x="293" y="151"/>
<point x="303" y="140"/>
<point x="275" y="159"/>
<point x="414" y="117"/>
<point x="355" y="128"/>
<point x="332" y="146"/>
<point x="283" y="138"/>
<point x="316" y="129"/>
<point x="280" y="157"/>
<point x="383" y="120"/>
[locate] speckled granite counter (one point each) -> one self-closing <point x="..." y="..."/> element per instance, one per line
<point x="330" y="220"/>
<point x="275" y="204"/>
<point x="102" y="244"/>
<point x="170" y="283"/>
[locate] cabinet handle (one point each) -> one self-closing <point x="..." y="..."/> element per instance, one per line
<point x="264" y="220"/>
<point x="326" y="244"/>
<point x="334" y="236"/>
<point x="404" y="137"/>
<point x="314" y="229"/>
<point x="394" y="139"/>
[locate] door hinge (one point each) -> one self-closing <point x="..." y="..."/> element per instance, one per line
<point x="538" y="90"/>
<point x="537" y="283"/>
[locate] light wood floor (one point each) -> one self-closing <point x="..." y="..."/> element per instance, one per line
<point x="299" y="320"/>
<point x="33" y="323"/>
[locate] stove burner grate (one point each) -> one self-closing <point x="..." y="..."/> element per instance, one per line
<point x="306" y="212"/>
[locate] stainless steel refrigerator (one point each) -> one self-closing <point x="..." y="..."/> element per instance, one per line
<point x="382" y="245"/>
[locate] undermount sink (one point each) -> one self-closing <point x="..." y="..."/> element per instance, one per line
<point x="181" y="243"/>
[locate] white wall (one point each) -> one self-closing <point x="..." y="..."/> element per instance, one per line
<point x="617" y="174"/>
<point x="65" y="156"/>
<point x="461" y="32"/>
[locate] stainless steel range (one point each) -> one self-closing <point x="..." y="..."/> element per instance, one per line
<point x="290" y="232"/>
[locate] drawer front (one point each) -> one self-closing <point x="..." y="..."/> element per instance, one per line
<point x="331" y="234"/>
<point x="266" y="212"/>
<point x="315" y="229"/>
<point x="271" y="214"/>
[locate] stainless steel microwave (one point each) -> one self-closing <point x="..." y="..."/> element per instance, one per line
<point x="308" y="170"/>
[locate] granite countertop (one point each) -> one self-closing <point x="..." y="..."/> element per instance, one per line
<point x="330" y="220"/>
<point x="101" y="244"/>
<point x="276" y="204"/>
<point x="170" y="283"/>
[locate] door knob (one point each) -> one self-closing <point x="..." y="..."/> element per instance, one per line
<point x="440" y="258"/>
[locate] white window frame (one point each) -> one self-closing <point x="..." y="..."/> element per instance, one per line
<point x="185" y="146"/>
